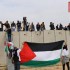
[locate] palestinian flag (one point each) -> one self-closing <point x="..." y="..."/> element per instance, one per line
<point x="6" y="49"/>
<point x="7" y="46"/>
<point x="41" y="54"/>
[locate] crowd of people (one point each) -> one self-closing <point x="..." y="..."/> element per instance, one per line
<point x="26" y="26"/>
<point x="59" y="26"/>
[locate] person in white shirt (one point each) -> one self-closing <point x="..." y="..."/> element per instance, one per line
<point x="65" y="58"/>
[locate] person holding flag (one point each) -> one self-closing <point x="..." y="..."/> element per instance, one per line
<point x="65" y="58"/>
<point x="16" y="58"/>
<point x="9" y="46"/>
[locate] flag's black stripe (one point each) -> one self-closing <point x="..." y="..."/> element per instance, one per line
<point x="45" y="46"/>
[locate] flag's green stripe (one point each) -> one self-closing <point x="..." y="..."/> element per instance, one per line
<point x="6" y="49"/>
<point x="41" y="63"/>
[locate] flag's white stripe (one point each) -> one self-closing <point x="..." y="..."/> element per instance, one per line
<point x="47" y="55"/>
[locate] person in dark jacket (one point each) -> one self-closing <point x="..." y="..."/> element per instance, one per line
<point x="57" y="28"/>
<point x="24" y="23"/>
<point x="38" y="26"/>
<point x="16" y="58"/>
<point x="52" y="27"/>
<point x="7" y="25"/>
<point x="60" y="26"/>
<point x="1" y="26"/>
<point x="68" y="26"/>
<point x="18" y="26"/>
<point x="32" y="27"/>
<point x="8" y="30"/>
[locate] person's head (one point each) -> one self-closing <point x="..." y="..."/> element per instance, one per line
<point x="7" y="21"/>
<point x="17" y="21"/>
<point x="0" y="21"/>
<point x="15" y="48"/>
<point x="10" y="43"/>
<point x="24" y="18"/>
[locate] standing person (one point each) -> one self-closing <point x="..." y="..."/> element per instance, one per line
<point x="65" y="58"/>
<point x="24" y="23"/>
<point x="42" y="26"/>
<point x="13" y="26"/>
<point x="1" y="26"/>
<point x="16" y="58"/>
<point x="57" y="27"/>
<point x="8" y="30"/>
<point x="18" y="26"/>
<point x="60" y="26"/>
<point x="68" y="26"/>
<point x="38" y="26"/>
<point x="10" y="48"/>
<point x="7" y="25"/>
<point x="32" y="27"/>
<point x="9" y="33"/>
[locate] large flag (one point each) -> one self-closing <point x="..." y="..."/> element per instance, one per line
<point x="44" y="54"/>
<point x="68" y="6"/>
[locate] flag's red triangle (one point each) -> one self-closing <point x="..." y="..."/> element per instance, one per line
<point x="26" y="54"/>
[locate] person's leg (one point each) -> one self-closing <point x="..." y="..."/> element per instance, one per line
<point x="18" y="65"/>
<point x="10" y="52"/>
<point x="15" y="66"/>
<point x="63" y="66"/>
<point x="67" y="65"/>
<point x="9" y="37"/>
<point x="18" y="29"/>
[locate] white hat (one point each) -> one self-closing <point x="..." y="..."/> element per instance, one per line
<point x="11" y="43"/>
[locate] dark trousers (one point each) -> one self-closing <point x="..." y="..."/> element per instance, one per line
<point x="17" y="65"/>
<point x="9" y="37"/>
<point x="18" y="29"/>
<point x="67" y="66"/>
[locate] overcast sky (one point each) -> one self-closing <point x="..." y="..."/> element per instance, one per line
<point x="35" y="11"/>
